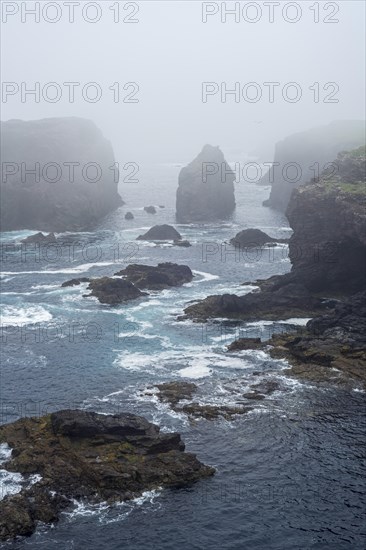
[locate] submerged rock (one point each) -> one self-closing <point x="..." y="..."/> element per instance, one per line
<point x="205" y="188"/>
<point x="85" y="455"/>
<point x="175" y="392"/>
<point x="251" y="238"/>
<point x="113" y="291"/>
<point x="129" y="216"/>
<point x="158" y="277"/>
<point x="40" y="238"/>
<point x="163" y="232"/>
<point x="184" y="244"/>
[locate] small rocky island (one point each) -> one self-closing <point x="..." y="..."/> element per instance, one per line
<point x="205" y="188"/>
<point x="80" y="455"/>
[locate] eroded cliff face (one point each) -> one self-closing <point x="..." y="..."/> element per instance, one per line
<point x="74" y="180"/>
<point x="328" y="247"/>
<point x="206" y="188"/>
<point x="303" y="156"/>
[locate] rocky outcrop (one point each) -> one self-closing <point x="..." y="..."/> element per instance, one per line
<point x="85" y="455"/>
<point x="282" y="302"/>
<point x="158" y="277"/>
<point x="332" y="347"/>
<point x="73" y="186"/>
<point x="251" y="238"/>
<point x="303" y="156"/>
<point x="163" y="232"/>
<point x="244" y="344"/>
<point x="182" y="244"/>
<point x="205" y="188"/>
<point x="113" y="291"/>
<point x="39" y="238"/>
<point x="129" y="216"/>
<point x="327" y="251"/>
<point x="328" y="247"/>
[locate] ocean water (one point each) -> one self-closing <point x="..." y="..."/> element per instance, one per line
<point x="289" y="473"/>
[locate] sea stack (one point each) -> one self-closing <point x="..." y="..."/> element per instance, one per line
<point x="57" y="175"/>
<point x="205" y="188"/>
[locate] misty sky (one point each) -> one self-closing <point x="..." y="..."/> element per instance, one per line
<point x="169" y="53"/>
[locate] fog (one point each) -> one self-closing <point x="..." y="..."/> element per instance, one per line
<point x="169" y="52"/>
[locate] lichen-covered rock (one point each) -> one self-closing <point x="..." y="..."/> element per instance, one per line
<point x="78" y="195"/>
<point x="310" y="151"/>
<point x="158" y="277"/>
<point x="328" y="247"/>
<point x="85" y="455"/>
<point x="206" y="189"/>
<point x="162" y="232"/>
<point x="113" y="291"/>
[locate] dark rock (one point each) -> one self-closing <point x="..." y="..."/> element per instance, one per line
<point x="184" y="244"/>
<point x="85" y="455"/>
<point x="245" y="343"/>
<point x="173" y="392"/>
<point x="129" y="216"/>
<point x="328" y="247"/>
<point x="150" y="209"/>
<point x="252" y="238"/>
<point x="39" y="238"/>
<point x="161" y="233"/>
<point x="206" y="188"/>
<point x="74" y="282"/>
<point x="71" y="203"/>
<point x="161" y="206"/>
<point x="318" y="145"/>
<point x="113" y="291"/>
<point x="290" y="300"/>
<point x="158" y="277"/>
<point x="212" y="412"/>
<point x="331" y="345"/>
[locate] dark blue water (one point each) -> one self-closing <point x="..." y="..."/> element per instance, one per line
<point x="289" y="474"/>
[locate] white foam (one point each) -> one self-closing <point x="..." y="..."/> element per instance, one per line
<point x="12" y="483"/>
<point x="205" y="276"/>
<point x="196" y="371"/>
<point x="12" y="315"/>
<point x="299" y="321"/>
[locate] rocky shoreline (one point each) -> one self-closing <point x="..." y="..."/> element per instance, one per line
<point x="77" y="454"/>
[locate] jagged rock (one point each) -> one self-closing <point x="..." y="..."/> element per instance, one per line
<point x="39" y="238"/>
<point x="251" y="238"/>
<point x="262" y="389"/>
<point x="129" y="216"/>
<point x="206" y="189"/>
<point x="158" y="277"/>
<point x="150" y="209"/>
<point x="72" y="201"/>
<point x="85" y="455"/>
<point x="318" y="145"/>
<point x="74" y="282"/>
<point x="163" y="232"/>
<point x="331" y="345"/>
<point x="174" y="392"/>
<point x="113" y="291"/>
